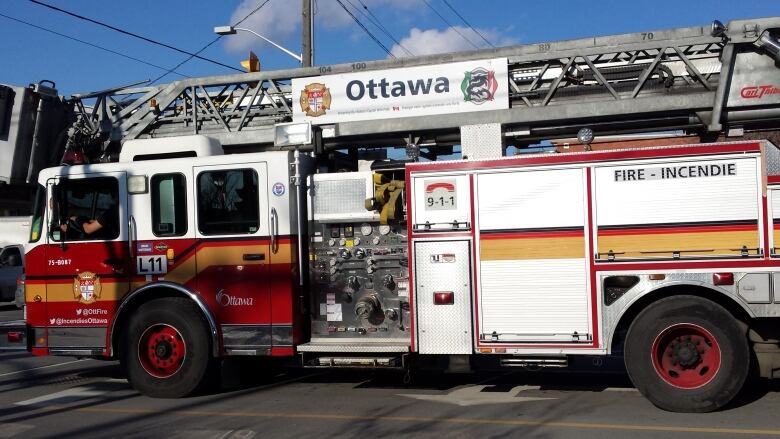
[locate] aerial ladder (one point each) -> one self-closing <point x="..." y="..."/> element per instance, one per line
<point x="712" y="81"/>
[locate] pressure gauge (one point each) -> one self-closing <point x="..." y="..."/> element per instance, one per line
<point x="366" y="229"/>
<point x="343" y="241"/>
<point x="384" y="229"/>
<point x="356" y="241"/>
<point x="331" y="242"/>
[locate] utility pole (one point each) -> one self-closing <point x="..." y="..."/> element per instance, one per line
<point x="307" y="40"/>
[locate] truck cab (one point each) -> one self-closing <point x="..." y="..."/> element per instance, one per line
<point x="166" y="264"/>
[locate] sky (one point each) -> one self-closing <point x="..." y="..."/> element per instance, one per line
<point x="51" y="45"/>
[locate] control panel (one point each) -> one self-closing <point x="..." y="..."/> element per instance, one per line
<point x="360" y="280"/>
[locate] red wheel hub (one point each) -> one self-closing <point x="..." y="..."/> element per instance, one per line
<point x="162" y="350"/>
<point x="686" y="356"/>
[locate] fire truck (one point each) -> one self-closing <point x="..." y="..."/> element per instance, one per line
<point x="259" y="215"/>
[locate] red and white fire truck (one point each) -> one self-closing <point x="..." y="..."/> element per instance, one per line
<point x="215" y="233"/>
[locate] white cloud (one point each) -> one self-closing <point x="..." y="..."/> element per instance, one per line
<point x="453" y="39"/>
<point x="281" y="19"/>
<point x="277" y="21"/>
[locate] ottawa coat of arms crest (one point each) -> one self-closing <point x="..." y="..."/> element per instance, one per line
<point x="315" y="99"/>
<point x="86" y="287"/>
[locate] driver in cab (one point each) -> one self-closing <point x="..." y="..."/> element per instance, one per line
<point x="103" y="226"/>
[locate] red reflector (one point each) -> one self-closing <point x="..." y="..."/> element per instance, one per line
<point x="15" y="337"/>
<point x="443" y="298"/>
<point x="723" y="278"/>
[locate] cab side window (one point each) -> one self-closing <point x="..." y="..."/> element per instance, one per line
<point x="86" y="209"/>
<point x="169" y="205"/>
<point x="228" y="202"/>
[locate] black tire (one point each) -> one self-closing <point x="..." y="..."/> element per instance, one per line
<point x="180" y="336"/>
<point x="692" y="381"/>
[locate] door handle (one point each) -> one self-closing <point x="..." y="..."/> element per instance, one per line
<point x="117" y="265"/>
<point x="274" y="230"/>
<point x="113" y="262"/>
<point x="254" y="256"/>
<point x="131" y="236"/>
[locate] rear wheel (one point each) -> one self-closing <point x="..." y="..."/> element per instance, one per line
<point x="166" y="348"/>
<point x="687" y="354"/>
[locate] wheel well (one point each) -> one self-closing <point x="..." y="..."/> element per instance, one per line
<point x="619" y="335"/>
<point x="139" y="297"/>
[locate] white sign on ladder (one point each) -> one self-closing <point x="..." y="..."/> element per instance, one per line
<point x="415" y="91"/>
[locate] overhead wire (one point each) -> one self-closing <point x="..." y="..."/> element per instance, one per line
<point x="132" y="34"/>
<point x="378" y="23"/>
<point x="365" y="29"/>
<point x="468" y="24"/>
<point x="447" y="23"/>
<point x="91" y="44"/>
<point x="210" y="43"/>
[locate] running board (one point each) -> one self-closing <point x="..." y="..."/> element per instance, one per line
<point x="339" y="362"/>
<point x="77" y="352"/>
<point x="535" y="361"/>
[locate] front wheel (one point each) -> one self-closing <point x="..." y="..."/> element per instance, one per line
<point x="687" y="354"/>
<point x="166" y="348"/>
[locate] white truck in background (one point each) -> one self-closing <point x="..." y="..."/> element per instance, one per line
<point x="14" y="232"/>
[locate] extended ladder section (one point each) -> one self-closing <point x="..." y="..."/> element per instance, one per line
<point x="705" y="79"/>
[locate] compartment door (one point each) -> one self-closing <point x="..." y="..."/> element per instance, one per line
<point x="533" y="257"/>
<point x="443" y="269"/>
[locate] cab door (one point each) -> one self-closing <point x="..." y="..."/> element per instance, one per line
<point x="234" y="240"/>
<point x="87" y="273"/>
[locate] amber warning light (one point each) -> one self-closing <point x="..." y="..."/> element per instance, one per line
<point x="443" y="298"/>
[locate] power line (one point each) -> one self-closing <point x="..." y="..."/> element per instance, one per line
<point x="376" y="22"/>
<point x="91" y="44"/>
<point x="445" y="21"/>
<point x="250" y="14"/>
<point x="209" y="44"/>
<point x="468" y="24"/>
<point x="365" y="29"/>
<point x="148" y="40"/>
<point x="173" y="69"/>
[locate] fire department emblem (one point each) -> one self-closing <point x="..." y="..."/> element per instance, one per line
<point x="479" y="85"/>
<point x="315" y="99"/>
<point x="86" y="287"/>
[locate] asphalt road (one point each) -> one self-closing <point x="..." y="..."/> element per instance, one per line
<point x="67" y="397"/>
